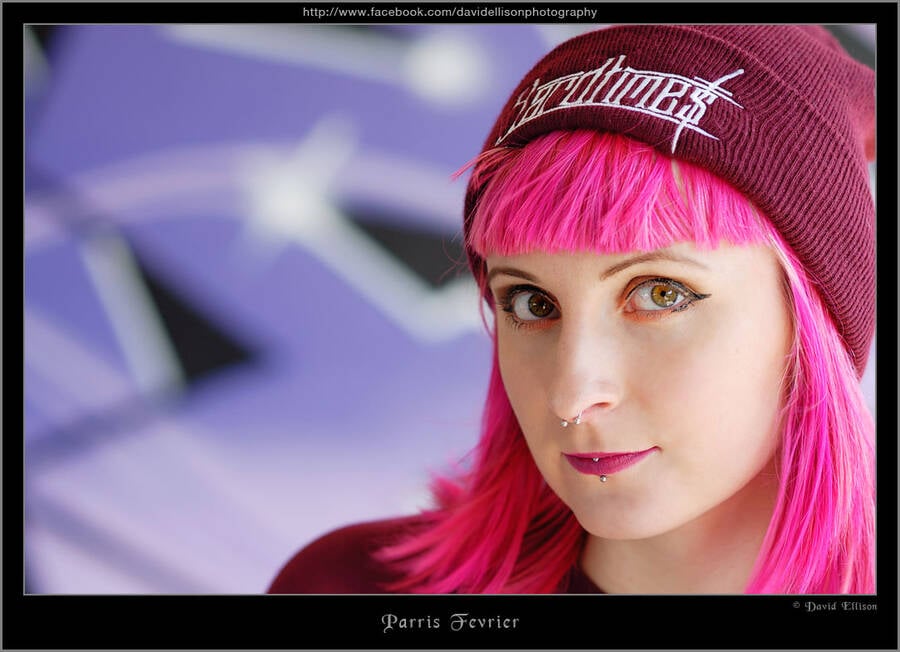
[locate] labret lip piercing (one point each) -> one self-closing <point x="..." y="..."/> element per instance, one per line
<point x="565" y="424"/>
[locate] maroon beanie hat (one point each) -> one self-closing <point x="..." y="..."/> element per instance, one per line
<point x="781" y="112"/>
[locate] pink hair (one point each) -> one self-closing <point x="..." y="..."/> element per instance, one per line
<point x="493" y="527"/>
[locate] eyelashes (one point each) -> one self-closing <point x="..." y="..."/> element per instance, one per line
<point x="662" y="296"/>
<point x="645" y="299"/>
<point x="527" y="304"/>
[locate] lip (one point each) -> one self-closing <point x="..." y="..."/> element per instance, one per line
<point x="607" y="463"/>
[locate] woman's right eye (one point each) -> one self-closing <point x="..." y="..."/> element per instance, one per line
<point x="529" y="305"/>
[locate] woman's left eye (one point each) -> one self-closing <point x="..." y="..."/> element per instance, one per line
<point x="661" y="294"/>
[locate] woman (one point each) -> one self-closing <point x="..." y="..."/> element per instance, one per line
<point x="674" y="233"/>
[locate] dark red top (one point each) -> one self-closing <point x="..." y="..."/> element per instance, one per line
<point x="341" y="562"/>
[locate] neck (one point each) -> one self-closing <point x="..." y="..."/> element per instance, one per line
<point x="712" y="554"/>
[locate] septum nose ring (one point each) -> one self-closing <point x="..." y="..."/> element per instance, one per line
<point x="565" y="424"/>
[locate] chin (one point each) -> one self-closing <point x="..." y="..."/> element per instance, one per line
<point x="619" y="530"/>
<point x="623" y="516"/>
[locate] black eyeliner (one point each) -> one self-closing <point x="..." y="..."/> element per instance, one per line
<point x="685" y="290"/>
<point x="505" y="302"/>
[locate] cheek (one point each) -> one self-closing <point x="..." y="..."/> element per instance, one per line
<point x="722" y="391"/>
<point x="520" y="370"/>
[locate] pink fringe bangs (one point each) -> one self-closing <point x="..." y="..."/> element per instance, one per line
<point x="587" y="191"/>
<point x="498" y="528"/>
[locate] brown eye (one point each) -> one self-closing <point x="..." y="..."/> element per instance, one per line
<point x="663" y="295"/>
<point x="528" y="305"/>
<point x="539" y="306"/>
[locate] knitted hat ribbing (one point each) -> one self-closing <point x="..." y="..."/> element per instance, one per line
<point x="781" y="112"/>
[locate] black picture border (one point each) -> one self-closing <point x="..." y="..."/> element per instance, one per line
<point x="544" y="622"/>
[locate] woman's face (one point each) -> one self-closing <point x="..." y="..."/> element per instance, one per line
<point x="677" y="355"/>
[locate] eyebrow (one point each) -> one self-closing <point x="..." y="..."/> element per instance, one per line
<point x="611" y="271"/>
<point x="511" y="271"/>
<point x="643" y="258"/>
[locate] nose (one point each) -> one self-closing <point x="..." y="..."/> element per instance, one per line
<point x="587" y="374"/>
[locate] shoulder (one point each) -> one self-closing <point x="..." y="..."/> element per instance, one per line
<point x="341" y="561"/>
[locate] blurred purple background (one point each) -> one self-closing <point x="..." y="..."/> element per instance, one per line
<point x="247" y="314"/>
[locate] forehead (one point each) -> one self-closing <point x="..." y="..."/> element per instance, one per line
<point x="724" y="260"/>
